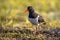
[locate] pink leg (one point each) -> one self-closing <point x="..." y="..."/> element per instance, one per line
<point x="36" y="30"/>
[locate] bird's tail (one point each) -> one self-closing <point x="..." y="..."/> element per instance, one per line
<point x="44" y="23"/>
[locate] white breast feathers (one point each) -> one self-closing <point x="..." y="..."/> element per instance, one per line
<point x="34" y="20"/>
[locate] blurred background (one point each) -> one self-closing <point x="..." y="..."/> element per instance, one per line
<point x="11" y="12"/>
<point x="14" y="25"/>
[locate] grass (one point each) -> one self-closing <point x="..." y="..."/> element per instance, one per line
<point x="22" y="29"/>
<point x="24" y="32"/>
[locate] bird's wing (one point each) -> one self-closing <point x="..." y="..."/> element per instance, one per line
<point x="41" y="20"/>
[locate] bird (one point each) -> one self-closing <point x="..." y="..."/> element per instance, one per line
<point x="34" y="18"/>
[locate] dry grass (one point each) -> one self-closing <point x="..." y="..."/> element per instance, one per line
<point x="22" y="29"/>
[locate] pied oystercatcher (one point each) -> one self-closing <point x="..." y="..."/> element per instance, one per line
<point x="34" y="18"/>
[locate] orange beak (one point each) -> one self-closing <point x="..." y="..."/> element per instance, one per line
<point x="25" y="11"/>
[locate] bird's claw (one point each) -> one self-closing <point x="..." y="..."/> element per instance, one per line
<point x="36" y="32"/>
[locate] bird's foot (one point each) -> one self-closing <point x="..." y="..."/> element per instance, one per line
<point x="36" y="32"/>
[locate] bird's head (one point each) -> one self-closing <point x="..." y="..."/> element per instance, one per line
<point x="29" y="9"/>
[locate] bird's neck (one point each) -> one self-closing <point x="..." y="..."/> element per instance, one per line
<point x="31" y="14"/>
